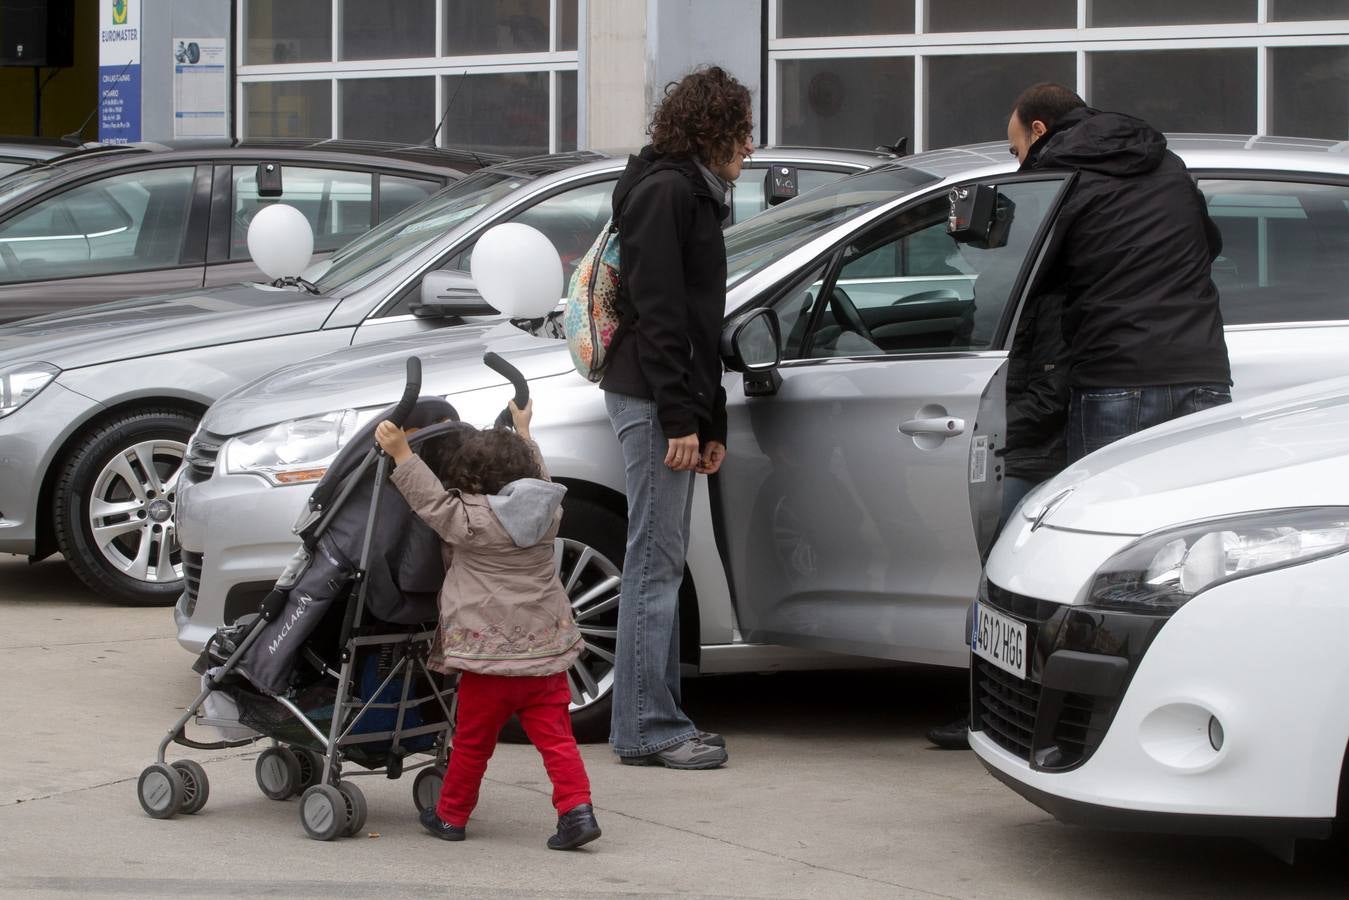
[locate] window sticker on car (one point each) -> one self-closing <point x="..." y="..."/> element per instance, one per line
<point x="979" y="460"/>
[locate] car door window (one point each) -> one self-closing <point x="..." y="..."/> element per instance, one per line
<point x="905" y="286"/>
<point x="130" y="222"/>
<point x="337" y="204"/>
<point x="749" y="187"/>
<point x="397" y="194"/>
<point x="1285" y="254"/>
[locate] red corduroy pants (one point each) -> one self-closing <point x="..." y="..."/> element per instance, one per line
<point x="485" y="703"/>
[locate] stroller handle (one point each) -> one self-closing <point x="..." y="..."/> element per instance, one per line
<point x="410" y="392"/>
<point x="514" y="376"/>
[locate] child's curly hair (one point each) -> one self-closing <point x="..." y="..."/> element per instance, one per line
<point x="707" y="114"/>
<point x="480" y="462"/>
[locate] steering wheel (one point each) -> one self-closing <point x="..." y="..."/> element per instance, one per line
<point x="846" y="314"/>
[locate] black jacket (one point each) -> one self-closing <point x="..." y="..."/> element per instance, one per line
<point x="1132" y="254"/>
<point x="1036" y="447"/>
<point x="671" y="296"/>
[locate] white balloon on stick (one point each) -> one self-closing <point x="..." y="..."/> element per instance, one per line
<point x="517" y="270"/>
<point x="280" y="240"/>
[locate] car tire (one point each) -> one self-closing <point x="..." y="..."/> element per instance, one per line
<point x="113" y="518"/>
<point x="590" y="526"/>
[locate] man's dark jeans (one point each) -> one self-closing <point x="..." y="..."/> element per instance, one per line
<point x="1101" y="416"/>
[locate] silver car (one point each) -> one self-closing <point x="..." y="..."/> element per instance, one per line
<point x="862" y="485"/>
<point x="96" y="406"/>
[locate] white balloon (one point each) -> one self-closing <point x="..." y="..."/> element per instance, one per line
<point x="280" y="241"/>
<point x="517" y="270"/>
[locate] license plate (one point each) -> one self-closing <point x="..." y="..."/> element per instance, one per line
<point x="1000" y="640"/>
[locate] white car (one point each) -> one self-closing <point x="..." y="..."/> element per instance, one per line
<point x="1157" y="645"/>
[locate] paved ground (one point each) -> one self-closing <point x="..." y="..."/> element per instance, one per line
<point x="832" y="792"/>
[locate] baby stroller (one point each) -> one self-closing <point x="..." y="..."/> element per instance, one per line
<point x="332" y="668"/>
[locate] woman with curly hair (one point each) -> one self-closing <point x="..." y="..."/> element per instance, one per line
<point x="664" y="394"/>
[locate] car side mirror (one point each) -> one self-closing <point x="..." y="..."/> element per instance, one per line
<point x="752" y="343"/>
<point x="446" y="292"/>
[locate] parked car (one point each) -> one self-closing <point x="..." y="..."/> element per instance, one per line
<point x="112" y="222"/>
<point x="1171" y="607"/>
<point x="96" y="406"/>
<point x="861" y="486"/>
<point x="18" y="153"/>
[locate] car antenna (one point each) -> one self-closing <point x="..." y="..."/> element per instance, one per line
<point x="431" y="141"/>
<point x="77" y="134"/>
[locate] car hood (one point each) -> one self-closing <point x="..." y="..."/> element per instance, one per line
<point x="163" y="324"/>
<point x="370" y="375"/>
<point x="1282" y="450"/>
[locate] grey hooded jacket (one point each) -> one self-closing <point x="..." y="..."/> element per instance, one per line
<point x="503" y="610"/>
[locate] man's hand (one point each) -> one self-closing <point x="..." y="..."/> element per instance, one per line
<point x="393" y="441"/>
<point x="520" y="418"/>
<point x="682" y="455"/>
<point x="713" y="455"/>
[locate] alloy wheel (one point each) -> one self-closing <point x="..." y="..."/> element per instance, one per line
<point x="131" y="510"/>
<point x="592" y="582"/>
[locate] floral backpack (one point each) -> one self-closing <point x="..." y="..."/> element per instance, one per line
<point x="590" y="317"/>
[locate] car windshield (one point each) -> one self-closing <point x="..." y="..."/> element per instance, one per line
<point x="412" y="229"/>
<point x="770" y="236"/>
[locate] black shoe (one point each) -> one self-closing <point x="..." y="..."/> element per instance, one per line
<point x="440" y="828"/>
<point x="955" y="736"/>
<point x="575" y="828"/>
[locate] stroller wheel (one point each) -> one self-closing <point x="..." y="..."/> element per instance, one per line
<point x="196" y="788"/>
<point x="323" y="812"/>
<point x="278" y="773"/>
<point x="426" y="787"/>
<point x="356" y="808"/>
<point x="160" y="791"/>
<point x="311" y="769"/>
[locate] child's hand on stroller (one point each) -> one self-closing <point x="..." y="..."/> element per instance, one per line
<point x="393" y="441"/>
<point x="520" y="417"/>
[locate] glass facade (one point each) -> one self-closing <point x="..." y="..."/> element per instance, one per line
<point x="944" y="73"/>
<point x="502" y="71"/>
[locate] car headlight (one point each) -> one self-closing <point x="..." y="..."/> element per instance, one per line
<point x="294" y="452"/>
<point x="1162" y="571"/>
<point x="21" y="383"/>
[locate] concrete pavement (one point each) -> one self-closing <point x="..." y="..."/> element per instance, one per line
<point x="831" y="792"/>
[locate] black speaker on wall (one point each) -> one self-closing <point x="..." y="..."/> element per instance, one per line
<point x="37" y="33"/>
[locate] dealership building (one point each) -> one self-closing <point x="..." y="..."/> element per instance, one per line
<point x="525" y="76"/>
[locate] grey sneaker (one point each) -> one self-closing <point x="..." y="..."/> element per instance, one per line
<point x="711" y="738"/>
<point x="692" y="754"/>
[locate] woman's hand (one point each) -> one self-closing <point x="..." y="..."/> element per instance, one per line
<point x="520" y="418"/>
<point x="393" y="441"/>
<point x="682" y="455"/>
<point x="713" y="454"/>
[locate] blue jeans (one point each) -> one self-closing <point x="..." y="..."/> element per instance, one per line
<point x="646" y="714"/>
<point x="1101" y="416"/>
<point x="1014" y="490"/>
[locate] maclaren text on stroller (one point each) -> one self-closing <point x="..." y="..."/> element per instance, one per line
<point x="332" y="669"/>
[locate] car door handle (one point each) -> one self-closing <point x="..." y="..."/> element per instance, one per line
<point x="941" y="426"/>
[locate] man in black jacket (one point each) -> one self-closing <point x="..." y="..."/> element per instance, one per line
<point x="1132" y="254"/>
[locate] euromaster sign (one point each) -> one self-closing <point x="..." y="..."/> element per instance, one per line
<point x="119" y="71"/>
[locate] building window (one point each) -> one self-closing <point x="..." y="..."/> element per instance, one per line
<point x="567" y="24"/>
<point x="288" y="109"/>
<point x="810" y="18"/>
<point x="970" y="97"/>
<point x="474" y="28"/>
<point x="1309" y="92"/>
<point x="1116" y="13"/>
<point x="1179" y="90"/>
<point x="1307" y="10"/>
<point x="388" y="109"/>
<point x="388" y="30"/>
<point x="500" y="113"/>
<point x="998" y="15"/>
<point x="851" y="102"/>
<point x="566" y="111"/>
<point x="288" y="31"/>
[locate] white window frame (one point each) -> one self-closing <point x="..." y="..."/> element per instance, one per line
<point x="335" y="70"/>
<point x="1261" y="35"/>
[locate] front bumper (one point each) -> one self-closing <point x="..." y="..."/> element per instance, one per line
<point x="235" y="531"/>
<point x="29" y="440"/>
<point x="1252" y="654"/>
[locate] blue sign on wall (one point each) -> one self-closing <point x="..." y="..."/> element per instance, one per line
<point x="119" y="113"/>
